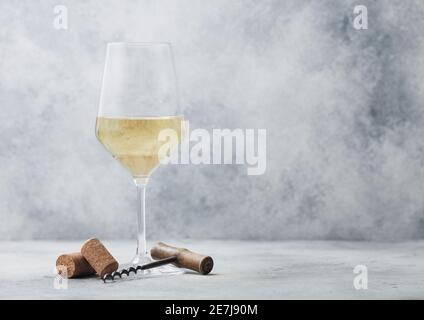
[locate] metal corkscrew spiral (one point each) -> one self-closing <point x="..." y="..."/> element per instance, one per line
<point x="135" y="269"/>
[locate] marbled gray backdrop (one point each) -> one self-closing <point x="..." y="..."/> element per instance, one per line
<point x="343" y="109"/>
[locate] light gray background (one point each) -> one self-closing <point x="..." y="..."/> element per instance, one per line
<point x="343" y="109"/>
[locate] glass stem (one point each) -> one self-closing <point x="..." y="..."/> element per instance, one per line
<point x="141" y="216"/>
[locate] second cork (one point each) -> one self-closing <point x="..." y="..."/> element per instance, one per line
<point x="99" y="257"/>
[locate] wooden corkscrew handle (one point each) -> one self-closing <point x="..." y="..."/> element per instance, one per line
<point x="185" y="258"/>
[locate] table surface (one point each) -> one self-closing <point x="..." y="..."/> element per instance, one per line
<point x="243" y="270"/>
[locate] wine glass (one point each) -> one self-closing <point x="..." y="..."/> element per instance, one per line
<point x="138" y="100"/>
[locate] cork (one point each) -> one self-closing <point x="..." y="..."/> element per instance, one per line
<point x="185" y="258"/>
<point x="98" y="257"/>
<point x="75" y="264"/>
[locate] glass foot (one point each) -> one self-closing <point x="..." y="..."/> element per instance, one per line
<point x="165" y="270"/>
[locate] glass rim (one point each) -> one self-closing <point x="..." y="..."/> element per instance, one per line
<point x="141" y="44"/>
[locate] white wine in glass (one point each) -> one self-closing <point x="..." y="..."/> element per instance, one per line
<point x="134" y="141"/>
<point x="138" y="100"/>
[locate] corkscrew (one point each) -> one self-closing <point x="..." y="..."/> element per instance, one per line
<point x="166" y="254"/>
<point x="135" y="269"/>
